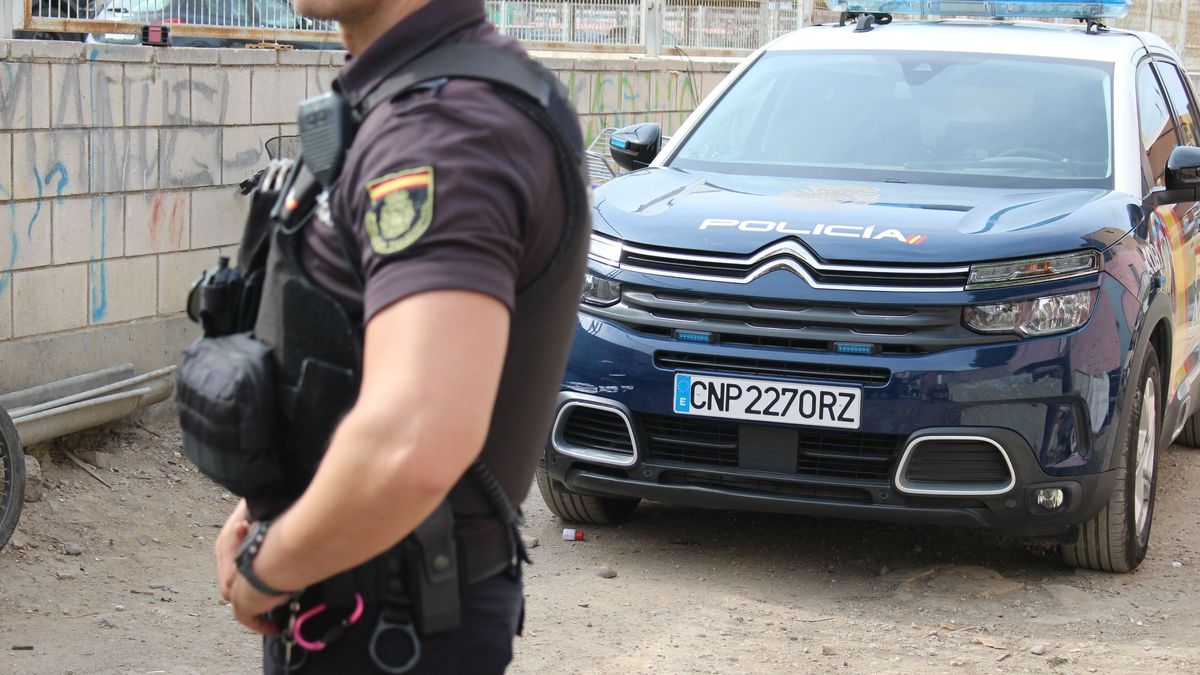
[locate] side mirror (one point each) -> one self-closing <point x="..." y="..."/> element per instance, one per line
<point x="1183" y="168"/>
<point x="636" y="146"/>
<point x="1182" y="179"/>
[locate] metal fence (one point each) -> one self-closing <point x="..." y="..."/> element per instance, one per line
<point x="639" y="26"/>
<point x="217" y="21"/>
<point x="728" y="25"/>
<point x="652" y="26"/>
<point x="596" y="22"/>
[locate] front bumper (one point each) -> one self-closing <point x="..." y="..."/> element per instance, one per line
<point x="1049" y="404"/>
<point x="1015" y="511"/>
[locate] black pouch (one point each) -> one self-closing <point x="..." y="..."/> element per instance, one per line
<point x="225" y="392"/>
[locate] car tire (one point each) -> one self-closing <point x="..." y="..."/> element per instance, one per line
<point x="585" y="509"/>
<point x="12" y="478"/>
<point x="1116" y="539"/>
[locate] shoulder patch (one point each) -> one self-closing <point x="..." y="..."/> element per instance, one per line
<point x="400" y="210"/>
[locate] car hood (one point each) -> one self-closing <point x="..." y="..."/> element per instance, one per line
<point x="857" y="221"/>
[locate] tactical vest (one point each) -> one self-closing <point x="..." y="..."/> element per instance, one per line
<point x="318" y="349"/>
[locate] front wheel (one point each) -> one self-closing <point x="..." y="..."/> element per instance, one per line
<point x="580" y="508"/>
<point x="12" y="477"/>
<point x="1117" y="538"/>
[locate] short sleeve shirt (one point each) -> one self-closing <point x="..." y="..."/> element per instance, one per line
<point x="447" y="187"/>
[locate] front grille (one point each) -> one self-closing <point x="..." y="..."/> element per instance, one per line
<point x="823" y="454"/>
<point x="769" y="368"/>
<point x="740" y="484"/>
<point x="642" y="261"/>
<point x="679" y="439"/>
<point x="594" y="428"/>
<point x="793" y="325"/>
<point x="848" y="455"/>
<point x="961" y="463"/>
<point x="793" y="256"/>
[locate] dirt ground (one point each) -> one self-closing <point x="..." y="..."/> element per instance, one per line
<point x="695" y="591"/>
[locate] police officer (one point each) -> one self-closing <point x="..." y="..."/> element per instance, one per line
<point x="444" y="240"/>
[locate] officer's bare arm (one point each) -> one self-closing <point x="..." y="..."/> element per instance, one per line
<point x="430" y="376"/>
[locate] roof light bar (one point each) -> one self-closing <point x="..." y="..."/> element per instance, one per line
<point x="1043" y="9"/>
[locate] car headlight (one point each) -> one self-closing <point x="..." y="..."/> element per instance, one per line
<point x="600" y="291"/>
<point x="1033" y="270"/>
<point x="1040" y="316"/>
<point x="605" y="250"/>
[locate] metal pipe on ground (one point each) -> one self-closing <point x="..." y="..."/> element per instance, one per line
<point x="122" y="385"/>
<point x="51" y="424"/>
<point x="48" y="420"/>
<point x="67" y="387"/>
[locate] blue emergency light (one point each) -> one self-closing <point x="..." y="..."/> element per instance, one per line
<point x="1042" y="9"/>
<point x="853" y="348"/>
<point x="694" y="336"/>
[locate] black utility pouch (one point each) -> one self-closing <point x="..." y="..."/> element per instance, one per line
<point x="225" y="392"/>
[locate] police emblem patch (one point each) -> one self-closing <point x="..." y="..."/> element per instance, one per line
<point x="401" y="209"/>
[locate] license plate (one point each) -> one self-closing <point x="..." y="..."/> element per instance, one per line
<point x="766" y="401"/>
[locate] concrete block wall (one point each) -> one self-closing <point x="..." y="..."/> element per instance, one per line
<point x="618" y="90"/>
<point x="119" y="169"/>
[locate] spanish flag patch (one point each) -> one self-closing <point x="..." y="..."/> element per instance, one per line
<point x="400" y="210"/>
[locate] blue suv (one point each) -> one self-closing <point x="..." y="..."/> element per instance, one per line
<point x="926" y="272"/>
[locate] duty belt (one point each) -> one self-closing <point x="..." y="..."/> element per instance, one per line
<point x="415" y="585"/>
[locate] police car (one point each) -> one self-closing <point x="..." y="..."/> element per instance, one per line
<point x="937" y="271"/>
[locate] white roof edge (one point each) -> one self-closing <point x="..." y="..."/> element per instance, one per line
<point x="1032" y="38"/>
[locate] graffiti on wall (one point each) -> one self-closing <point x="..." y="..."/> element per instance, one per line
<point x="99" y="130"/>
<point x="166" y="223"/>
<point x="617" y="99"/>
<point x="105" y="153"/>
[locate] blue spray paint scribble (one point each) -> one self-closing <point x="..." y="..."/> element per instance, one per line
<point x="100" y="285"/>
<point x="99" y="290"/>
<point x="63" y="180"/>
<point x="37" y="208"/>
<point x="6" y="276"/>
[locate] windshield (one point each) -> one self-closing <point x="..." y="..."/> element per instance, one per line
<point x="952" y="119"/>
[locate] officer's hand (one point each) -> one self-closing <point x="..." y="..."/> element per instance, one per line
<point x="249" y="606"/>
<point x="225" y="549"/>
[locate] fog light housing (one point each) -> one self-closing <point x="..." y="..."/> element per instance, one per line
<point x="600" y="291"/>
<point x="1050" y="498"/>
<point x="1032" y="318"/>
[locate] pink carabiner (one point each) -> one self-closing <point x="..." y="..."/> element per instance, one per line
<point x="318" y="645"/>
<point x="357" y="613"/>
